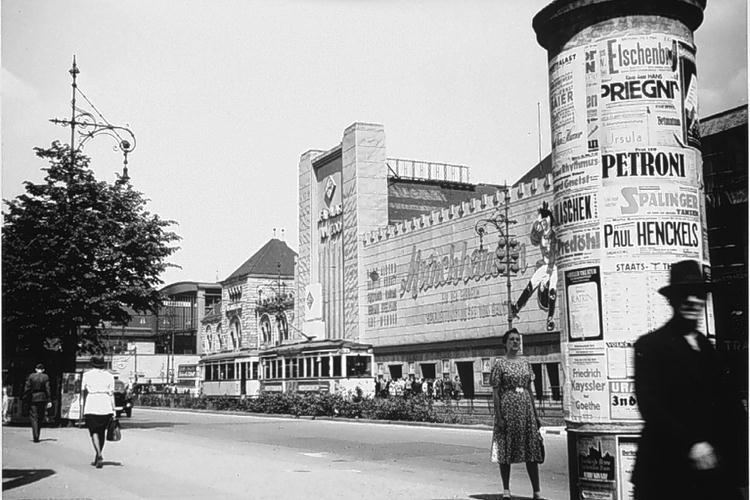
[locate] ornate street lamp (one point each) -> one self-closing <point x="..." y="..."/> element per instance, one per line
<point x="507" y="260"/>
<point x="87" y="126"/>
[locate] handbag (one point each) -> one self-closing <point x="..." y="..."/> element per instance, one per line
<point x="541" y="445"/>
<point x="113" y="430"/>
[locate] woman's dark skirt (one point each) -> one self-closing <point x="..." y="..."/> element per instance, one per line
<point x="97" y="423"/>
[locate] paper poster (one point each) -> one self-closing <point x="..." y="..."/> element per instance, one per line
<point x="588" y="383"/>
<point x="584" y="307"/>
<point x="626" y="452"/>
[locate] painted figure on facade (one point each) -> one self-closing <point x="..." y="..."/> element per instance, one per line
<point x="544" y="279"/>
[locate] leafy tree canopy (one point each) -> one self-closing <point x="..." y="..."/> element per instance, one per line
<point x="76" y="252"/>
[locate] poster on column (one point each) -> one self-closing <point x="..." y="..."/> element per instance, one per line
<point x="597" y="466"/>
<point x="640" y="100"/>
<point x="574" y="119"/>
<point x="627" y="448"/>
<point x="589" y="393"/>
<point x="583" y="304"/>
<point x="632" y="305"/>
<point x="622" y="401"/>
<point x="689" y="85"/>
<point x="567" y="101"/>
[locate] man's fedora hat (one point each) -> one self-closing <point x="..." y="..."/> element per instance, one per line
<point x="686" y="275"/>
<point x="98" y="362"/>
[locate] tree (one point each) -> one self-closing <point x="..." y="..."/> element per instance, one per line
<point x="75" y="253"/>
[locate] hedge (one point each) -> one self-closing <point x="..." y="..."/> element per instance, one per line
<point x="412" y="409"/>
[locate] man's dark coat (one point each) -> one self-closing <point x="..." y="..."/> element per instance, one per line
<point x="37" y="388"/>
<point x="684" y="399"/>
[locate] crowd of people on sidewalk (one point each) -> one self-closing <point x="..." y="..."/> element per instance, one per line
<point x="404" y="387"/>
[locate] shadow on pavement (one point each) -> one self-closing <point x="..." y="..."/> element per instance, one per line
<point x="22" y="477"/>
<point x="496" y="496"/>
<point x="106" y="463"/>
<point x="126" y="424"/>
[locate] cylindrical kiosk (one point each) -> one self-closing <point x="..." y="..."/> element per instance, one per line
<point x="628" y="202"/>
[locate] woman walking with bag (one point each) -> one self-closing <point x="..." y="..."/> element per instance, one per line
<point x="516" y="436"/>
<point x="98" y="387"/>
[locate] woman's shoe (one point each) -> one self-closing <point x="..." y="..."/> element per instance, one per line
<point x="99" y="462"/>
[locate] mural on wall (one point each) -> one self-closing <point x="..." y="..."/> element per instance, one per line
<point x="544" y="279"/>
<point x="433" y="279"/>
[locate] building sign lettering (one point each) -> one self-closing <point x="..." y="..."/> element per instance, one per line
<point x="456" y="265"/>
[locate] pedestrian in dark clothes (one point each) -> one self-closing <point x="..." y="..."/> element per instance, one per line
<point x="37" y="394"/>
<point x="688" y="448"/>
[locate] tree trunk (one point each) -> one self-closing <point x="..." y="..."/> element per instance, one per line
<point x="70" y="349"/>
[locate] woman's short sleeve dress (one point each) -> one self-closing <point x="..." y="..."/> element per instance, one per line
<point x="520" y="440"/>
<point x="99" y="385"/>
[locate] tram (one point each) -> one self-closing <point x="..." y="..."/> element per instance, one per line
<point x="316" y="366"/>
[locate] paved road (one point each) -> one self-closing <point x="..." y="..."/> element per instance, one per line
<point x="171" y="454"/>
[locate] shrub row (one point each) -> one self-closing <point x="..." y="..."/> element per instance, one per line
<point x="413" y="409"/>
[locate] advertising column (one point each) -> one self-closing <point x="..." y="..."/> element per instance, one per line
<point x="627" y="203"/>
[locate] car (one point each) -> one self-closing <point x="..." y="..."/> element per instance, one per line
<point x="123" y="399"/>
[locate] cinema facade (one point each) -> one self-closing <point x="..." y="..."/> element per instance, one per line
<point x="390" y="256"/>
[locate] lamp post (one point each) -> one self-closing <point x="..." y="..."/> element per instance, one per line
<point x="86" y="125"/>
<point x="508" y="262"/>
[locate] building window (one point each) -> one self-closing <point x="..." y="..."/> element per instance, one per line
<point x="553" y="372"/>
<point x="235" y="293"/>
<point x="207" y="340"/>
<point x="282" y="326"/>
<point x="486" y="368"/>
<point x="265" y="329"/>
<point x="235" y="331"/>
<point x="358" y="366"/>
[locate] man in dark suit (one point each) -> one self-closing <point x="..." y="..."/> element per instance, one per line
<point x="37" y="393"/>
<point x="686" y="450"/>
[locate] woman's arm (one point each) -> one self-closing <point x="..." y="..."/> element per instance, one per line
<point x="495" y="380"/>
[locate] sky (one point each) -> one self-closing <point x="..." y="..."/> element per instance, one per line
<point x="224" y="96"/>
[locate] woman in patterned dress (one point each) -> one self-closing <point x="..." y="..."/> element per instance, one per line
<point x="516" y="436"/>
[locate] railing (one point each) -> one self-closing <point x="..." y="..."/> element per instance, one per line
<point x="411" y="169"/>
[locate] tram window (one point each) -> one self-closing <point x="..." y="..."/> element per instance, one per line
<point x="337" y="366"/>
<point x="266" y="370"/>
<point x="230" y="371"/>
<point x="279" y="364"/>
<point x="315" y="366"/>
<point x="296" y="362"/>
<point x="255" y="370"/>
<point x="325" y="366"/>
<point x="222" y="371"/>
<point x="357" y="366"/>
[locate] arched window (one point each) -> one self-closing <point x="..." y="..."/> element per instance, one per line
<point x="265" y="329"/>
<point x="220" y="344"/>
<point x="207" y="340"/>
<point x="235" y="333"/>
<point x="282" y="326"/>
